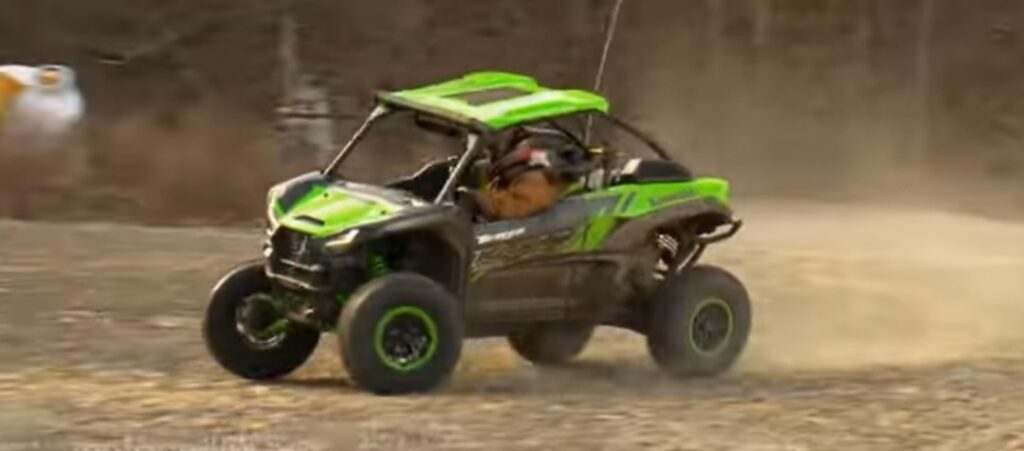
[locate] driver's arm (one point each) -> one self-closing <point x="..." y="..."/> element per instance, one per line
<point x="528" y="194"/>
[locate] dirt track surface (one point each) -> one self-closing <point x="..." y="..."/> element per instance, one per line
<point x="874" y="329"/>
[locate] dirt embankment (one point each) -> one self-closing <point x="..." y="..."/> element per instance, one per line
<point x="874" y="330"/>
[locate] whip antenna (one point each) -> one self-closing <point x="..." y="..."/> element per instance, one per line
<point x="609" y="36"/>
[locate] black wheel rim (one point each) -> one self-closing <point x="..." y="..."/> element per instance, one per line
<point x="406" y="338"/>
<point x="711" y="326"/>
<point x="260" y="323"/>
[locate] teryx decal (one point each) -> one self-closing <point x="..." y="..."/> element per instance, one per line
<point x="500" y="236"/>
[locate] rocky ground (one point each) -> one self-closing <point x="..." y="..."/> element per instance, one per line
<point x="875" y="329"/>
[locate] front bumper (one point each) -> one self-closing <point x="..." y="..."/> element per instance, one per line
<point x="297" y="261"/>
<point x="715" y="236"/>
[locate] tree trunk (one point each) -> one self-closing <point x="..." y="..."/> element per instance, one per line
<point x="762" y="22"/>
<point x="306" y="128"/>
<point x="922" y="138"/>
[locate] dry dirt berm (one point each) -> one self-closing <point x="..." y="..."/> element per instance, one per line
<point x="878" y="329"/>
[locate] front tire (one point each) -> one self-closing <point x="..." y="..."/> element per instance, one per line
<point x="698" y="322"/>
<point x="236" y="301"/>
<point x="551" y="343"/>
<point x="400" y="334"/>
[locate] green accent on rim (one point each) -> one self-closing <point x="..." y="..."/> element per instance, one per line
<point x="279" y="327"/>
<point x="521" y="99"/>
<point x="378" y="338"/>
<point x="707" y="302"/>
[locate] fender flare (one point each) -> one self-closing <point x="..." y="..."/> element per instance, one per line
<point x="628" y="235"/>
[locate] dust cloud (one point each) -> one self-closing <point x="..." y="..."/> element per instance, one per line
<point x="208" y="165"/>
<point x="847" y="286"/>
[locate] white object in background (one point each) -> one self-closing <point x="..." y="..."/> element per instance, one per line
<point x="39" y="105"/>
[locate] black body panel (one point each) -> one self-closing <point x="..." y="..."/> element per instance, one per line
<point x="440" y="222"/>
<point x="653" y="171"/>
<point x="527" y="276"/>
<point x="297" y="187"/>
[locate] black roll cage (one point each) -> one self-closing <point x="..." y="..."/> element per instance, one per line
<point x="477" y="135"/>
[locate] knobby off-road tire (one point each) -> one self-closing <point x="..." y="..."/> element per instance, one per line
<point x="548" y="344"/>
<point x="400" y="334"/>
<point x="237" y="353"/>
<point x="698" y="322"/>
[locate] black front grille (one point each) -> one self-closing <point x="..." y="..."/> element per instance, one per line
<point x="292" y="245"/>
<point x="295" y="257"/>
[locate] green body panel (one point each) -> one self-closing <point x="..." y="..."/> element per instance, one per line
<point x="337" y="208"/>
<point x="656" y="196"/>
<point x="636" y="200"/>
<point x="536" y="103"/>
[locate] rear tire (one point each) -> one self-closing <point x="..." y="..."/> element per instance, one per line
<point x="551" y="343"/>
<point x="699" y="321"/>
<point x="234" y="351"/>
<point x="400" y="334"/>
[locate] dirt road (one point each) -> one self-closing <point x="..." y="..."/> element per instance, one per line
<point x="874" y="330"/>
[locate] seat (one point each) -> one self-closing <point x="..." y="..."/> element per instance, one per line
<point x="428" y="181"/>
<point x="642" y="171"/>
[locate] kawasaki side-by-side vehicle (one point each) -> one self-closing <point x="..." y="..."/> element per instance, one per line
<point x="401" y="273"/>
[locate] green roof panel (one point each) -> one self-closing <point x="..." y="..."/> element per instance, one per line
<point x="497" y="99"/>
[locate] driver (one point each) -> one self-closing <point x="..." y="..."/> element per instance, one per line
<point x="529" y="179"/>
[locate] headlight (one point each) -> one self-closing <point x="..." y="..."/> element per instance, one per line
<point x="272" y="195"/>
<point x="271" y="219"/>
<point x="341" y="242"/>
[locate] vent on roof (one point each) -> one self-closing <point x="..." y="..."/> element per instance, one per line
<point x="311" y="220"/>
<point x="486" y="96"/>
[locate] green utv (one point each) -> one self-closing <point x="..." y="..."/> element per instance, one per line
<point x="402" y="274"/>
